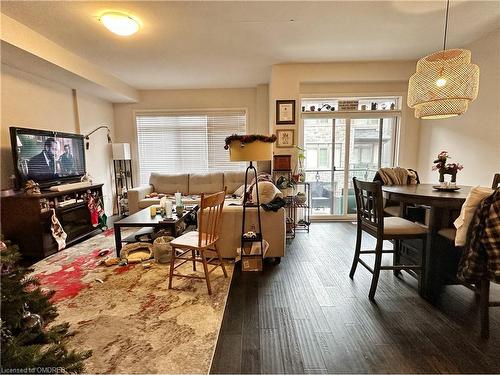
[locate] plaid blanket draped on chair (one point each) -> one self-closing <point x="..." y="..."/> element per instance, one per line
<point x="481" y="256"/>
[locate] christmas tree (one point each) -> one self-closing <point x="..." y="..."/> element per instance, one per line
<point x="27" y="343"/>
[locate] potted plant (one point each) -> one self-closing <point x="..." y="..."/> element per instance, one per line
<point x="299" y="168"/>
<point x="300" y="198"/>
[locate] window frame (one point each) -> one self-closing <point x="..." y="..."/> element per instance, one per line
<point x="159" y="112"/>
<point x="398" y="113"/>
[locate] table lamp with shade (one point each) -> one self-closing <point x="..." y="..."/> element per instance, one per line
<point x="251" y="148"/>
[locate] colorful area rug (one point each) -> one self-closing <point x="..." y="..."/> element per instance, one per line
<point x="128" y="317"/>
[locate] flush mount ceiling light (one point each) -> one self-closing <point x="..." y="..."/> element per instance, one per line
<point x="120" y="23"/>
<point x="444" y="83"/>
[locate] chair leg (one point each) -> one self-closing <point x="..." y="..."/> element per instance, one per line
<point x="376" y="269"/>
<point x="396" y="256"/>
<point x="484" y="308"/>
<point x="421" y="275"/>
<point x="356" y="252"/>
<point x="205" y="268"/>
<point x="220" y="260"/>
<point x="193" y="254"/>
<point x="171" y="273"/>
<point x="477" y="292"/>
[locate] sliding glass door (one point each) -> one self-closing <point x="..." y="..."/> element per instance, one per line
<point x="339" y="147"/>
<point x="324" y="144"/>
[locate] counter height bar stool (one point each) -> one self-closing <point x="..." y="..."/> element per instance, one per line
<point x="193" y="245"/>
<point x="370" y="218"/>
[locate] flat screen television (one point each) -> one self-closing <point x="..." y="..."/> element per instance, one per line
<point x="47" y="157"/>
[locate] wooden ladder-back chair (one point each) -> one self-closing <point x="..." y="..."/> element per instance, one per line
<point x="370" y="218"/>
<point x="194" y="245"/>
<point x="414" y="213"/>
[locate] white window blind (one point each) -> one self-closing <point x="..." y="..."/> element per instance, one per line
<point x="187" y="142"/>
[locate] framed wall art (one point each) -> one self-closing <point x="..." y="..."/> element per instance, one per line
<point x="285" y="138"/>
<point x="285" y="112"/>
<point x="282" y="163"/>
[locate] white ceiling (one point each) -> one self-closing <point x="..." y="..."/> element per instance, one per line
<point x="234" y="44"/>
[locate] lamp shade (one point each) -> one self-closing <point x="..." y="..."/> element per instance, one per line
<point x="121" y="151"/>
<point x="252" y="151"/>
<point x="443" y="85"/>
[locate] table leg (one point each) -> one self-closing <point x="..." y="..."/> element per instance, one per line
<point x="433" y="280"/>
<point x="118" y="239"/>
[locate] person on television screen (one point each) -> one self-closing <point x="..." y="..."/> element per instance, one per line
<point x="67" y="161"/>
<point x="43" y="165"/>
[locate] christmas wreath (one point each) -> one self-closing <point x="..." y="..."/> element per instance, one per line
<point x="244" y="139"/>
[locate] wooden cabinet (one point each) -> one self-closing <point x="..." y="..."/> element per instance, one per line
<point x="26" y="219"/>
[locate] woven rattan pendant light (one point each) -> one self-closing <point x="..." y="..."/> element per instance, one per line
<point x="444" y="83"/>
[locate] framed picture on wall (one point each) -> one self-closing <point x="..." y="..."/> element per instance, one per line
<point x="285" y="112"/>
<point x="285" y="138"/>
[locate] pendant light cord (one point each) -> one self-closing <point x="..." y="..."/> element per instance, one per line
<point x="446" y="24"/>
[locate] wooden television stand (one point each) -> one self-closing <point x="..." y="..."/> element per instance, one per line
<point x="26" y="219"/>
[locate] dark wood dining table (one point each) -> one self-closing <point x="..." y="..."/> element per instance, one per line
<point x="443" y="208"/>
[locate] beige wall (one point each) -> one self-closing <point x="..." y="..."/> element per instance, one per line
<point x="94" y="112"/>
<point x="253" y="99"/>
<point x="33" y="102"/>
<point x="30" y="51"/>
<point x="472" y="139"/>
<point x="292" y="81"/>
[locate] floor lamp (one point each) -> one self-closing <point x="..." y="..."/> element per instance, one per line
<point x="251" y="152"/>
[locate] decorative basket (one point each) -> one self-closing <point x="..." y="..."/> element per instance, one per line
<point x="162" y="250"/>
<point x="137" y="252"/>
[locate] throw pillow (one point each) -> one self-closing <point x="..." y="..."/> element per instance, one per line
<point x="267" y="192"/>
<point x="476" y="195"/>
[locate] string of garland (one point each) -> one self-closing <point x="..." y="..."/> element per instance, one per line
<point x="244" y="139"/>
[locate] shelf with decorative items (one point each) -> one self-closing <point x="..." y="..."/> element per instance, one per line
<point x="297" y="196"/>
<point x="296" y="192"/>
<point x="299" y="208"/>
<point x="350" y="104"/>
<point x="355" y="113"/>
<point x="122" y="163"/>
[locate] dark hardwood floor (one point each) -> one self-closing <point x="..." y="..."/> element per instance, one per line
<point x="306" y="316"/>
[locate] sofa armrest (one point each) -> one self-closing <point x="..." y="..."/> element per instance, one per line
<point x="135" y="195"/>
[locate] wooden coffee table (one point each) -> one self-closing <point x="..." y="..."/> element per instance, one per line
<point x="143" y="219"/>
